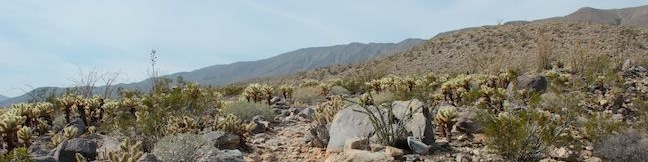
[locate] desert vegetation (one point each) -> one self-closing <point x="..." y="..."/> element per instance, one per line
<point x="566" y="101"/>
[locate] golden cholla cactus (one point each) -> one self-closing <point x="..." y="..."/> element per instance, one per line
<point x="324" y="112"/>
<point x="182" y="124"/>
<point x="267" y="91"/>
<point x="111" y="107"/>
<point x="233" y="124"/>
<point x="287" y="90"/>
<point x="10" y="121"/>
<point x="445" y="119"/>
<point x="92" y="129"/>
<point x="25" y="134"/>
<point x="129" y="152"/>
<point x="366" y="99"/>
<point x="56" y="140"/>
<point x="80" y="158"/>
<point x="253" y="93"/>
<point x="375" y="85"/>
<point x="325" y="88"/>
<point x="70" y="132"/>
<point x="45" y="108"/>
<point x="407" y="84"/>
<point x="309" y="83"/>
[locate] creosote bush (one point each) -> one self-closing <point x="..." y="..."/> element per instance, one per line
<point x="180" y="147"/>
<point x="524" y="135"/>
<point x="307" y="95"/>
<point x="246" y="110"/>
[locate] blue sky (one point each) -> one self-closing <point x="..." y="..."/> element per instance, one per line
<point x="45" y="43"/>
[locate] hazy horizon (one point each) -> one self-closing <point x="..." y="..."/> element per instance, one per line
<point x="46" y="43"/>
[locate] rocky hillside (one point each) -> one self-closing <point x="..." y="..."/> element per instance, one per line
<point x="495" y="48"/>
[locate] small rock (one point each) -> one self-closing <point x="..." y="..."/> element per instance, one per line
<point x="593" y="159"/>
<point x="307" y="113"/>
<point x="262" y="124"/>
<point x="44" y="159"/>
<point x="148" y="157"/>
<point x="393" y="151"/>
<point x="253" y="157"/>
<point x="362" y="155"/>
<point x="356" y="143"/>
<point x="547" y="160"/>
<point x="417" y="146"/>
<point x="222" y="155"/>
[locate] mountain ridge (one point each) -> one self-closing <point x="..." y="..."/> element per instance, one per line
<point x="286" y="63"/>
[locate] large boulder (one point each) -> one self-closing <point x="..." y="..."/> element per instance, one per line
<point x="412" y="112"/>
<point x="347" y="124"/>
<point x="66" y="151"/>
<point x="222" y="140"/>
<point x="532" y="83"/>
<point x="221" y="155"/>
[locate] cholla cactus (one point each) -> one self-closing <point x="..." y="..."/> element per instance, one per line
<point x="9" y="125"/>
<point x="325" y="88"/>
<point x="233" y="124"/>
<point x="56" y="140"/>
<point x="407" y="84"/>
<point x="25" y="135"/>
<point x="70" y="132"/>
<point x="92" y="129"/>
<point x="79" y="157"/>
<point x="445" y="119"/>
<point x="366" y="99"/>
<point x="129" y="152"/>
<point x="287" y="90"/>
<point x="69" y="102"/>
<point x="267" y="92"/>
<point x="253" y="93"/>
<point x="375" y="85"/>
<point x="182" y="125"/>
<point x="309" y="83"/>
<point x="132" y="104"/>
<point x="324" y="112"/>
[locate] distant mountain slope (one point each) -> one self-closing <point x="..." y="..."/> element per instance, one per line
<point x="3" y="97"/>
<point x="634" y="16"/>
<point x="295" y="61"/>
<point x="287" y="63"/>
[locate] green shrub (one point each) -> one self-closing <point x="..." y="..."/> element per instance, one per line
<point x="524" y="135"/>
<point x="247" y="110"/>
<point x="354" y="86"/>
<point x="230" y="90"/>
<point x="20" y="154"/>
<point x="600" y="125"/>
<point x="180" y="147"/>
<point x="626" y="146"/>
<point x="384" y="97"/>
<point x="307" y="95"/>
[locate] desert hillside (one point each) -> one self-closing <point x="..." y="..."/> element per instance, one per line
<point x="491" y="49"/>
